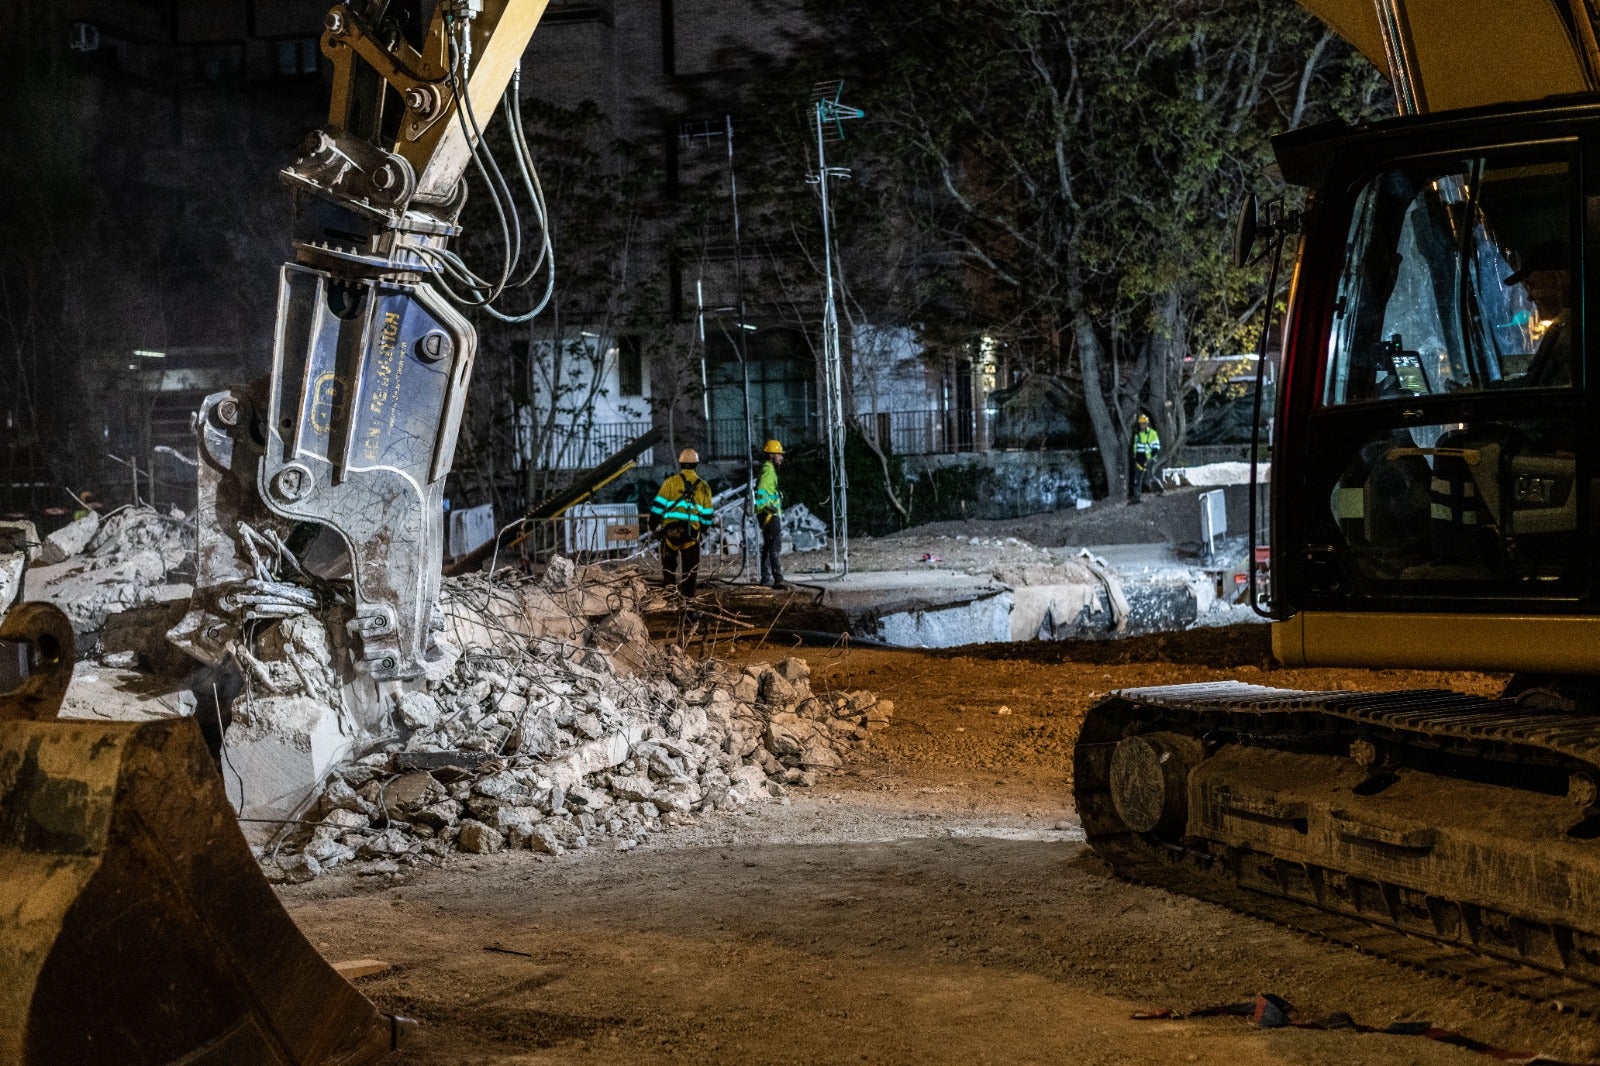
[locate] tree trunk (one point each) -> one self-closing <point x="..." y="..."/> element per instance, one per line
<point x="1108" y="435"/>
<point x="1167" y="347"/>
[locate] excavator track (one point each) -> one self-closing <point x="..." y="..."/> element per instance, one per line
<point x="1449" y="832"/>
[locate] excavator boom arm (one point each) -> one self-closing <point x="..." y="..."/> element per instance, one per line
<point x="1441" y="55"/>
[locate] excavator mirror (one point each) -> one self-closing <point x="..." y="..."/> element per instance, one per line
<point x="1245" y="231"/>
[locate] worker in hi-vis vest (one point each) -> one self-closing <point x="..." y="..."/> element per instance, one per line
<point x="769" y="513"/>
<point x="1146" y="449"/>
<point x="682" y="511"/>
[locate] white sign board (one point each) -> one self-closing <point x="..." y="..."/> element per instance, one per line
<point x="468" y="528"/>
<point x="601" y="527"/>
<point x="1213" y="518"/>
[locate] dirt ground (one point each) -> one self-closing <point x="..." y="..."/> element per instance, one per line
<point x="934" y="902"/>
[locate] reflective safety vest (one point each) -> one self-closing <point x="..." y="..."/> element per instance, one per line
<point x="1146" y="444"/>
<point x="684" y="497"/>
<point x="768" y="499"/>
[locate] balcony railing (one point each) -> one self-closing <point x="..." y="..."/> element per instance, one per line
<point x="925" y="432"/>
<point x="930" y="432"/>
<point x="726" y="436"/>
<point x="584" y="446"/>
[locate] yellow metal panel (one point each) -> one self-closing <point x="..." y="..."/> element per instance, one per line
<point x="1472" y="52"/>
<point x="500" y="35"/>
<point x="1288" y="642"/>
<point x="1496" y="643"/>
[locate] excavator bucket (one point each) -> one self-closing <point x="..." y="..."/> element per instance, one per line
<point x="135" y="926"/>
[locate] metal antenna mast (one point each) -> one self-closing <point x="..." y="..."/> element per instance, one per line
<point x="705" y="133"/>
<point x="830" y="116"/>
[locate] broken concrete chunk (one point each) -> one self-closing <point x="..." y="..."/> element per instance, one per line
<point x="483" y="808"/>
<point x="21" y="537"/>
<point x="278" y="758"/>
<point x="788" y="735"/>
<point x="588" y="726"/>
<point x="661" y="763"/>
<point x="69" y="540"/>
<point x="390" y="842"/>
<point x="479" y="839"/>
<point x="630" y="787"/>
<point x="794" y="670"/>
<point x="680" y="796"/>
<point x="12" y="565"/>
<point x="861" y="701"/>
<point x="338" y="795"/>
<point x="559" y="575"/>
<point x="497" y="784"/>
<point x="688" y="722"/>
<point x="411" y="792"/>
<point x="326" y="848"/>
<point x="820" y="755"/>
<point x="418" y="710"/>
<point x="544" y="838"/>
<point x="516" y="823"/>
<point x="341" y="818"/>
<point x="291" y="869"/>
<point x="585" y="796"/>
<point x="437" y="816"/>
<point x="777" y="691"/>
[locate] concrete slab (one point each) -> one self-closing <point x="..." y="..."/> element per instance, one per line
<point x="896" y="591"/>
<point x="1132" y="556"/>
<point x="932" y="608"/>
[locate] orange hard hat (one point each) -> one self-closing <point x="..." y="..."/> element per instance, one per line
<point x="688" y="455"/>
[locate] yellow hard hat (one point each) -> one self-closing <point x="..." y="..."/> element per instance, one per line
<point x="688" y="455"/>
<point x="1144" y="420"/>
<point x="774" y="447"/>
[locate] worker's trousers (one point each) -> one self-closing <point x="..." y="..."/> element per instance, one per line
<point x="771" y="545"/>
<point x="681" y="566"/>
<point x="1145" y="479"/>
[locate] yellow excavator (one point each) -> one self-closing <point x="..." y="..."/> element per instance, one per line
<point x="135" y="926"/>
<point x="1434" y="493"/>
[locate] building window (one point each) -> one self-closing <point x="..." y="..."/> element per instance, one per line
<point x="630" y="368"/>
<point x="298" y="58"/>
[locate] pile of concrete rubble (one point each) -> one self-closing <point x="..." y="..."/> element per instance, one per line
<point x="553" y="723"/>
<point x="94" y="568"/>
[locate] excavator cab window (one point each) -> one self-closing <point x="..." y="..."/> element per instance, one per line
<point x="1448" y="413"/>
<point x="1458" y="279"/>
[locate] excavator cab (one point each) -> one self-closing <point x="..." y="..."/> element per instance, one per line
<point x="1434" y="393"/>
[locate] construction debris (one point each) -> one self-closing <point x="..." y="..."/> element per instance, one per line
<point x="96" y="567"/>
<point x="802" y="531"/>
<point x="70" y="539"/>
<point x="556" y="725"/>
<point x="550" y="720"/>
<point x="19" y="545"/>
